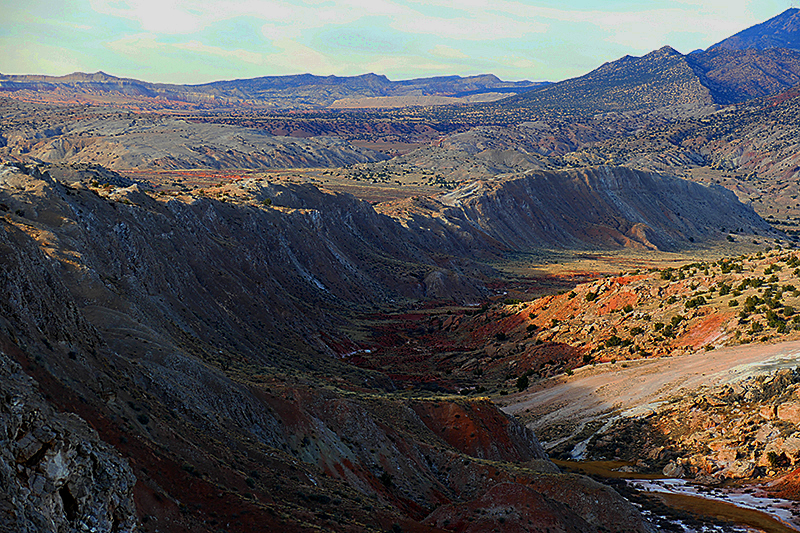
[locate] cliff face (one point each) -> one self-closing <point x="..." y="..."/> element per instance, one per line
<point x="193" y="269"/>
<point x="600" y="207"/>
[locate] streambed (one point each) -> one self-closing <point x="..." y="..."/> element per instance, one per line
<point x="747" y="509"/>
<point x="750" y="507"/>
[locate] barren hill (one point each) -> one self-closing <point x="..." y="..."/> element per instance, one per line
<point x="752" y="148"/>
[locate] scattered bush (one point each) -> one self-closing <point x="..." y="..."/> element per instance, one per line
<point x="695" y="302"/>
<point x="612" y="341"/>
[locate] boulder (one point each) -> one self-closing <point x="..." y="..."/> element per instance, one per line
<point x="673" y="470"/>
<point x="739" y="470"/>
<point x="789" y="412"/>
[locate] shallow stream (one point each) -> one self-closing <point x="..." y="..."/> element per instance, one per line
<point x="749" y="508"/>
<point x="746" y="506"/>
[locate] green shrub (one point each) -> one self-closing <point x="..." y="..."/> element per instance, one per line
<point x="695" y="302"/>
<point x="612" y="341"/>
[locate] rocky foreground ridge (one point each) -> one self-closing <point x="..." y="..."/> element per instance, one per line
<point x="56" y="473"/>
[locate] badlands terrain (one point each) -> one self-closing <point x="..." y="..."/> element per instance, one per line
<point x="449" y="304"/>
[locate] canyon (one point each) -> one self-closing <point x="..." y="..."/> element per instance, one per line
<point x="319" y="303"/>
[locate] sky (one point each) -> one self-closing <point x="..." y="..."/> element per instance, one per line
<point x="190" y="41"/>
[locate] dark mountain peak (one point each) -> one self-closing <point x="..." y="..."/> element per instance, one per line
<point x="659" y="80"/>
<point x="782" y="31"/>
<point x="664" y="51"/>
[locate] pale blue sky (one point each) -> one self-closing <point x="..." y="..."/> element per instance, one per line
<point x="189" y="41"/>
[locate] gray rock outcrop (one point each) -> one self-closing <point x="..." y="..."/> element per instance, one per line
<point x="56" y="475"/>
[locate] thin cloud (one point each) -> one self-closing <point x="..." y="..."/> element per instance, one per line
<point x="244" y="56"/>
<point x="448" y="52"/>
<point x="189" y="40"/>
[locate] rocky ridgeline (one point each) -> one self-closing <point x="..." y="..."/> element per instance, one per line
<point x="56" y="474"/>
<point x="267" y="92"/>
<point x="757" y="139"/>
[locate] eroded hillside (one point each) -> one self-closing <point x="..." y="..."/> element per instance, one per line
<point x="126" y="140"/>
<point x="200" y="339"/>
<point x="601" y="207"/>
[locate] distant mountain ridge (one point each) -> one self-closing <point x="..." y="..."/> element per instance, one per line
<point x="782" y="31"/>
<point x="298" y="91"/>
<point x="671" y="83"/>
<point x="660" y="79"/>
